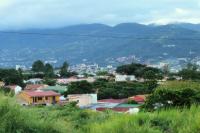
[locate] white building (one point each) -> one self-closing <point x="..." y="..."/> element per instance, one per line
<point x="123" y="78"/>
<point x="83" y="99"/>
<point x="34" y="81"/>
<point x="15" y="88"/>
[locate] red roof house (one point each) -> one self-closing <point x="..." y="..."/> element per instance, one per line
<point x="138" y="98"/>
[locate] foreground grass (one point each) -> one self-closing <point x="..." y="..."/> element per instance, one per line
<point x="17" y="119"/>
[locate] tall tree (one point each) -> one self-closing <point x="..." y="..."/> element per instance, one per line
<point x="64" y="70"/>
<point x="11" y="77"/>
<point x="38" y="66"/>
<point x="48" y="70"/>
<point x="81" y="87"/>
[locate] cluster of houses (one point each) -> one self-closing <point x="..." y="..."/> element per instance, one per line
<point x="36" y="93"/>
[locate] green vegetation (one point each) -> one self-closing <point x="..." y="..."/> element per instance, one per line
<point x="190" y="72"/>
<point x="141" y="71"/>
<point x="174" y="94"/>
<point x="38" y="66"/>
<point x="49" y="71"/>
<point x="119" y="90"/>
<point x="69" y="119"/>
<point x="11" y="77"/>
<point x="50" y="82"/>
<point x="106" y="89"/>
<point x="64" y="70"/>
<point x="81" y="87"/>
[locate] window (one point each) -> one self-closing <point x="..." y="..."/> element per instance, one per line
<point x="46" y="98"/>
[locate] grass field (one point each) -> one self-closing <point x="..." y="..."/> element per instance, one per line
<point x="17" y="119"/>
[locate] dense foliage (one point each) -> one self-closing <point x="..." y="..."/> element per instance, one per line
<point x="174" y="94"/>
<point x="191" y="72"/>
<point x="140" y="70"/>
<point x="38" y="66"/>
<point x="115" y="90"/>
<point x="64" y="70"/>
<point x="11" y="77"/>
<point x="81" y="87"/>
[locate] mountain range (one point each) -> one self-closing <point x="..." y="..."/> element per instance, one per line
<point x="99" y="43"/>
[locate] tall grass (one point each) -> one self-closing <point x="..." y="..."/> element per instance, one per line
<point x="17" y="119"/>
<point x="166" y="121"/>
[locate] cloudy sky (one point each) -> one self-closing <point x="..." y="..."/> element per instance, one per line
<point x="22" y="14"/>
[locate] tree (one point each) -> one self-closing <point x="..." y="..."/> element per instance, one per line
<point x="49" y="71"/>
<point x="11" y="77"/>
<point x="64" y="70"/>
<point x="81" y="87"/>
<point x="139" y="70"/>
<point x="50" y="82"/>
<point x="38" y="66"/>
<point x="190" y="72"/>
<point x="150" y="75"/>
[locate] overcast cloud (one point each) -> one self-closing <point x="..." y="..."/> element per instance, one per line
<point x="22" y="14"/>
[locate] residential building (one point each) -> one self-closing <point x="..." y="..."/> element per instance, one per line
<point x="15" y="88"/>
<point x="83" y="99"/>
<point x="123" y="78"/>
<point x="33" y="87"/>
<point x="140" y="99"/>
<point x="2" y="83"/>
<point x="74" y="79"/>
<point x="40" y="97"/>
<point x="34" y="81"/>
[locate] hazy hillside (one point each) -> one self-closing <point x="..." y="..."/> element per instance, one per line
<point x="100" y="43"/>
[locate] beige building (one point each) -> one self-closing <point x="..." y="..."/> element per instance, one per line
<point x="83" y="99"/>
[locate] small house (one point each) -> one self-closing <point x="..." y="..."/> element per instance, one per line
<point x="40" y="97"/>
<point x="138" y="98"/>
<point x="15" y="88"/>
<point x="83" y="99"/>
<point x="123" y="78"/>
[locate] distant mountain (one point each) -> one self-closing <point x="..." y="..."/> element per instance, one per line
<point x="195" y="27"/>
<point x="98" y="43"/>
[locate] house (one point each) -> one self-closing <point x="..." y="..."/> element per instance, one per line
<point x="15" y="88"/>
<point x="33" y="87"/>
<point x="123" y="78"/>
<point x="83" y="99"/>
<point x="33" y="81"/>
<point x="139" y="98"/>
<point x="2" y="83"/>
<point x="74" y="79"/>
<point x="40" y="97"/>
<point x="117" y="105"/>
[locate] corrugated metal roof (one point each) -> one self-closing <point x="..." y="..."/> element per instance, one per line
<point x="113" y="100"/>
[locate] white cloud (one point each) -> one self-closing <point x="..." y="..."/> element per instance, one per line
<point x="16" y="14"/>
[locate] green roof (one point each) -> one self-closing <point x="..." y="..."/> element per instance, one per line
<point x="57" y="88"/>
<point x="128" y="105"/>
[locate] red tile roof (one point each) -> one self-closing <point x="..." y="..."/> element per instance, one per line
<point x="113" y="100"/>
<point x="41" y="93"/>
<point x="138" y="98"/>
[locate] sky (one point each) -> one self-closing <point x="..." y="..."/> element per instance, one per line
<point x="24" y="14"/>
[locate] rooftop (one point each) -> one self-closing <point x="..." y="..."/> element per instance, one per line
<point x="41" y="93"/>
<point x="35" y="86"/>
<point x="113" y="100"/>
